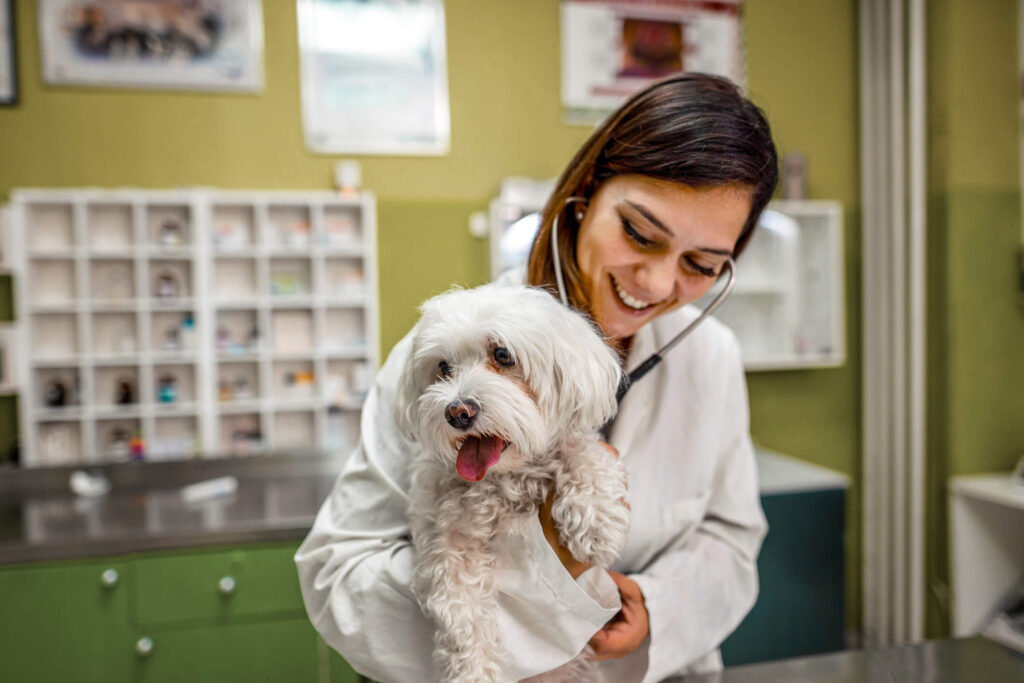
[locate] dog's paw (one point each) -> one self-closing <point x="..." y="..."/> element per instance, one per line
<point x="601" y="540"/>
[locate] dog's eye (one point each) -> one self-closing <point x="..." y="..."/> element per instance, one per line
<point x="502" y="355"/>
<point x="444" y="368"/>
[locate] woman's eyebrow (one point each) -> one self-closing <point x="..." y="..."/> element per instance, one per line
<point x="653" y="220"/>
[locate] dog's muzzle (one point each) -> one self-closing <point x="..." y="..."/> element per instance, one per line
<point x="461" y="414"/>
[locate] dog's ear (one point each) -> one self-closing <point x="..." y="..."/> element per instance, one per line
<point x="587" y="373"/>
<point x="406" y="393"/>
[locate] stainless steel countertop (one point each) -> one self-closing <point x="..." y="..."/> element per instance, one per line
<point x="276" y="500"/>
<point x="970" y="660"/>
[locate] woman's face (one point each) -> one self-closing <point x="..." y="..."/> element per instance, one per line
<point x="648" y="246"/>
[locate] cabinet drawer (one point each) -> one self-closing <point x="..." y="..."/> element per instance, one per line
<point x="219" y="584"/>
<point x="270" y="651"/>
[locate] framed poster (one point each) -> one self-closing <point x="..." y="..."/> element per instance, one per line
<point x="8" y="68"/>
<point x="374" y="76"/>
<point x="172" y="44"/>
<point x="613" y="48"/>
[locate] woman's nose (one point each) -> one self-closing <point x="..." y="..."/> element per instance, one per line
<point x="657" y="277"/>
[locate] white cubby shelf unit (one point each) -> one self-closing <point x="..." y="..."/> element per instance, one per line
<point x="194" y="322"/>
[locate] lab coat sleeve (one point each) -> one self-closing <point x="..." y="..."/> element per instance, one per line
<point x="699" y="588"/>
<point x="356" y="567"/>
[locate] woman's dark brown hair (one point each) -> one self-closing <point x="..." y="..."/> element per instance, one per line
<point x="695" y="129"/>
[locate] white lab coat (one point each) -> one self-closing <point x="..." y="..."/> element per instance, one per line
<point x="697" y="526"/>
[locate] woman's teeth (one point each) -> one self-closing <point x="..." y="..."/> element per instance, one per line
<point x="625" y="298"/>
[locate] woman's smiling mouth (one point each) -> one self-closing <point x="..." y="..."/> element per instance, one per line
<point x="626" y="299"/>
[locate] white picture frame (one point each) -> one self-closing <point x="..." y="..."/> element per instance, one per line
<point x="612" y="49"/>
<point x="175" y="44"/>
<point x="8" y="61"/>
<point x="374" y="77"/>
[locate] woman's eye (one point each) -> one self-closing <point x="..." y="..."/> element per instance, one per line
<point x="703" y="270"/>
<point x="444" y="368"/>
<point x="633" y="235"/>
<point x="503" y="357"/>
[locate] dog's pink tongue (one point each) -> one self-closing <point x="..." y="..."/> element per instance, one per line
<point x="477" y="455"/>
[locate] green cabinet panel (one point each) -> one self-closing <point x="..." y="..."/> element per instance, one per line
<point x="799" y="610"/>
<point x="340" y="670"/>
<point x="188" y="587"/>
<point x="271" y="651"/>
<point x="61" y="623"/>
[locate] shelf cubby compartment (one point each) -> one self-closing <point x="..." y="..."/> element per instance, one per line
<point x="234" y="228"/>
<point x="170" y="281"/>
<point x="114" y="438"/>
<point x="58" y="443"/>
<point x="292" y="331"/>
<point x="238" y="382"/>
<point x="345" y="331"/>
<point x="55" y="336"/>
<point x="290" y="278"/>
<point x="238" y="332"/>
<point x="57" y="389"/>
<point x="295" y="429"/>
<point x="341" y="429"/>
<point x="293" y="382"/>
<point x="234" y="279"/>
<point x="344" y="278"/>
<point x="342" y="227"/>
<point x="114" y="334"/>
<point x="289" y="227"/>
<point x="112" y="280"/>
<point x="169" y="227"/>
<point x="174" y="384"/>
<point x="53" y="282"/>
<point x="172" y="332"/>
<point x="174" y="438"/>
<point x="240" y="434"/>
<point x="117" y="388"/>
<point x="50" y="227"/>
<point x="346" y="383"/>
<point x="109" y="228"/>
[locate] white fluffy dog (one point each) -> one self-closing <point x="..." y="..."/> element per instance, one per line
<point x="504" y="391"/>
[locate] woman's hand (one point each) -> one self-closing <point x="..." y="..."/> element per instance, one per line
<point x="627" y="629"/>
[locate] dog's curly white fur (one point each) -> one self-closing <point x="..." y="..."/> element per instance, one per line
<point x="504" y="391"/>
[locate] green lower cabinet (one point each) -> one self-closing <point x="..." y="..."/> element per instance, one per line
<point x="66" y="622"/>
<point x="269" y="651"/>
<point x="233" y="614"/>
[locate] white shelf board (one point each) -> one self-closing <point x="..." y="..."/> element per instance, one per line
<point x="171" y="410"/>
<point x="159" y="253"/>
<point x="131" y="411"/>
<point x="52" y="254"/>
<point x="45" y="307"/>
<point x="72" y="414"/>
<point x="346" y="354"/>
<point x="297" y="301"/>
<point x="242" y="357"/>
<point x="342" y="251"/>
<point x="176" y="304"/>
<point x="242" y="406"/>
<point x="62" y="362"/>
<point x="993" y="488"/>
<point x="237" y="304"/>
<point x="296" y="405"/>
<point x="794" y="362"/>
<point x="172" y="357"/>
<point x="341" y="301"/>
<point x="115" y="359"/>
<point x="108" y="253"/>
<point x="226" y="253"/>
<point x="114" y="305"/>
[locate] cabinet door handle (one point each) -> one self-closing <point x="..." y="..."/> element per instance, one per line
<point x="109" y="577"/>
<point x="226" y="585"/>
<point x="144" y="646"/>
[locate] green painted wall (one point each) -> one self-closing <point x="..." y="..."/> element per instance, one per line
<point x="976" y="325"/>
<point x="504" y="83"/>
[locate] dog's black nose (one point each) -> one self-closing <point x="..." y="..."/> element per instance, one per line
<point x="462" y="414"/>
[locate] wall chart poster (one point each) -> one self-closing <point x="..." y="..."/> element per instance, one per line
<point x="612" y="48"/>
<point x="172" y="44"/>
<point x="374" y="76"/>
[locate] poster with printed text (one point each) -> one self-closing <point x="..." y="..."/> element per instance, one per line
<point x="613" y="48"/>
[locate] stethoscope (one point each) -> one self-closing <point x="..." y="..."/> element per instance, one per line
<point x="629" y="379"/>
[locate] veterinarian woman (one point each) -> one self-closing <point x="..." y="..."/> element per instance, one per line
<point x="649" y="212"/>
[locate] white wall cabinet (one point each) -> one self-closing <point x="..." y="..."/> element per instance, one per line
<point x="192" y="322"/>
<point x="787" y="308"/>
